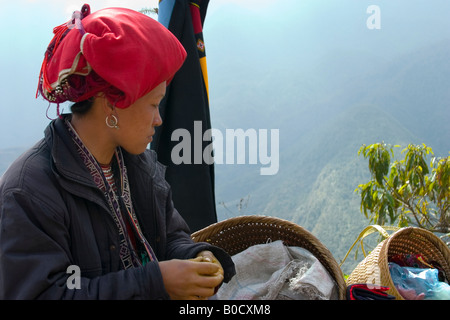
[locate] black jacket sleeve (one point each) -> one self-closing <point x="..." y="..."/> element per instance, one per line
<point x="35" y="256"/>
<point x="180" y="244"/>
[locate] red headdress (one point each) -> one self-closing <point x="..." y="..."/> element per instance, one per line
<point x="118" y="51"/>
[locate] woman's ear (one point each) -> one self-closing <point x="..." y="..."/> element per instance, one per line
<point x="106" y="106"/>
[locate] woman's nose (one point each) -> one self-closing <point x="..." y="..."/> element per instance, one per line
<point x="157" y="120"/>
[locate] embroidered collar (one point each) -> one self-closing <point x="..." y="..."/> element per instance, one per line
<point x="117" y="202"/>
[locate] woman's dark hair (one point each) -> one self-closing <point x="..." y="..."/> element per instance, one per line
<point x="82" y="107"/>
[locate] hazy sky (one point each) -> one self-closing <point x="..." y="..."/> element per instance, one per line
<point x="26" y="29"/>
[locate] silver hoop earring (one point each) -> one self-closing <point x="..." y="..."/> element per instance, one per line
<point x="112" y="123"/>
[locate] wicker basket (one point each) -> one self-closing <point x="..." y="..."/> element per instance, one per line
<point x="374" y="268"/>
<point x="236" y="234"/>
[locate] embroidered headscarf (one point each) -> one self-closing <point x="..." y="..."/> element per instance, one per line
<point x="120" y="52"/>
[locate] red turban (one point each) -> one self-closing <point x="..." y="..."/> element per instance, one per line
<point x="118" y="51"/>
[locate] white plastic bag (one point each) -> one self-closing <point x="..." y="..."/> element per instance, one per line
<point x="274" y="271"/>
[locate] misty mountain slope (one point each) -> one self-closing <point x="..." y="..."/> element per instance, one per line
<point x="331" y="208"/>
<point x="418" y="94"/>
<point x="322" y="126"/>
<point x="315" y="188"/>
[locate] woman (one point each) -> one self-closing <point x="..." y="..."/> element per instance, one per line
<point x="90" y="196"/>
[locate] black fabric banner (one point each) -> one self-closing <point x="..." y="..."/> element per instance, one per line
<point x="185" y="111"/>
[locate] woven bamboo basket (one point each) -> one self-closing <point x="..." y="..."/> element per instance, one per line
<point x="374" y="268"/>
<point x="236" y="234"/>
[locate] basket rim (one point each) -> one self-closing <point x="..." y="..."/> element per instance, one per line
<point x="331" y="264"/>
<point x="382" y="257"/>
<point x="430" y="238"/>
<point x="416" y="230"/>
<point x="240" y="220"/>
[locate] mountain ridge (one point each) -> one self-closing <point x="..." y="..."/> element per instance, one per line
<point x="319" y="141"/>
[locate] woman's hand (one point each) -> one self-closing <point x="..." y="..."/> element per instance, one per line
<point x="191" y="279"/>
<point x="208" y="256"/>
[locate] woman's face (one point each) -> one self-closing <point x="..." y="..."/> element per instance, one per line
<point x="137" y="122"/>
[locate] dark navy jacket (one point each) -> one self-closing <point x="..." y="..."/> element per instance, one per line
<point x="53" y="216"/>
